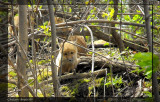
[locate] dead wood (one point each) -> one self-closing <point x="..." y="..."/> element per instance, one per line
<point x="77" y="76"/>
<point x="96" y="33"/>
<point x="99" y="62"/>
<point x="108" y="38"/>
<point x="18" y="73"/>
<point x="106" y="63"/>
<point x="102" y="45"/>
<point x="115" y="35"/>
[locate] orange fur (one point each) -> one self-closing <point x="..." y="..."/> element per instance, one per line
<point x="69" y="61"/>
<point x="57" y="20"/>
<point x="16" y="24"/>
<point x="80" y="41"/>
<point x="60" y="20"/>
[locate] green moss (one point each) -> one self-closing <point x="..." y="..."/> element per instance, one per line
<point x="65" y="88"/>
<point x="84" y="80"/>
<point x="75" y="90"/>
<point x="99" y="82"/>
<point x="66" y="91"/>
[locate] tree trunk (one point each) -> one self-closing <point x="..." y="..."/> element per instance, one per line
<point x="115" y="35"/>
<point x="149" y="39"/>
<point x="53" y="44"/>
<point x="147" y="24"/>
<point x="23" y="40"/>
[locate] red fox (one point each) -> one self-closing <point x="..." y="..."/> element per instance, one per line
<point x="16" y="24"/>
<point x="71" y="54"/>
<point x="57" y="21"/>
<point x="69" y="61"/>
<point x="80" y="41"/>
<point x="70" y="51"/>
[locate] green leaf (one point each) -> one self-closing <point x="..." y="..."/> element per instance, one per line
<point x="112" y="13"/>
<point x="87" y="2"/>
<point x="149" y="94"/>
<point x="45" y="23"/>
<point x="70" y="10"/>
<point x="13" y="74"/>
<point x="29" y="5"/>
<point x="31" y="61"/>
<point x="91" y="11"/>
<point x="104" y="14"/>
<point x="144" y="60"/>
<point x="43" y="62"/>
<point x="40" y="7"/>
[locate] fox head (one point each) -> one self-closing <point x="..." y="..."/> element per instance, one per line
<point x="69" y="52"/>
<point x="58" y="20"/>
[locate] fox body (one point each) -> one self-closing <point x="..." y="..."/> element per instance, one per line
<point x="70" y="52"/>
<point x="16" y="24"/>
<point x="60" y="20"/>
<point x="69" y="59"/>
<point x="57" y="20"/>
<point x="80" y="41"/>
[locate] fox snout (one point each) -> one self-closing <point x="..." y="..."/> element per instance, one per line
<point x="70" y="59"/>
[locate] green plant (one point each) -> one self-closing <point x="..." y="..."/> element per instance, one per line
<point x="41" y="62"/>
<point x="46" y="30"/>
<point x="144" y="60"/>
<point x="117" y="81"/>
<point x="85" y="80"/>
<point x="44" y="75"/>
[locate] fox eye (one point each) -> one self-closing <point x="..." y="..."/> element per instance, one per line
<point x="65" y="54"/>
<point x="71" y="52"/>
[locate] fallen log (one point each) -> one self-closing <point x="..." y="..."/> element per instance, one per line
<point x="99" y="62"/>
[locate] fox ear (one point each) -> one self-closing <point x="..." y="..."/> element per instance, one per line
<point x="73" y="38"/>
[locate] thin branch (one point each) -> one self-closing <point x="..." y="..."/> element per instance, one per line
<point x="103" y="21"/>
<point x="53" y="44"/>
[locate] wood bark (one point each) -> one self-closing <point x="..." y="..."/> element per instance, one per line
<point x="115" y="35"/>
<point x="118" y="66"/>
<point x="149" y="39"/>
<point x="18" y="74"/>
<point x="147" y="24"/>
<point x="53" y="45"/>
<point x="23" y="40"/>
